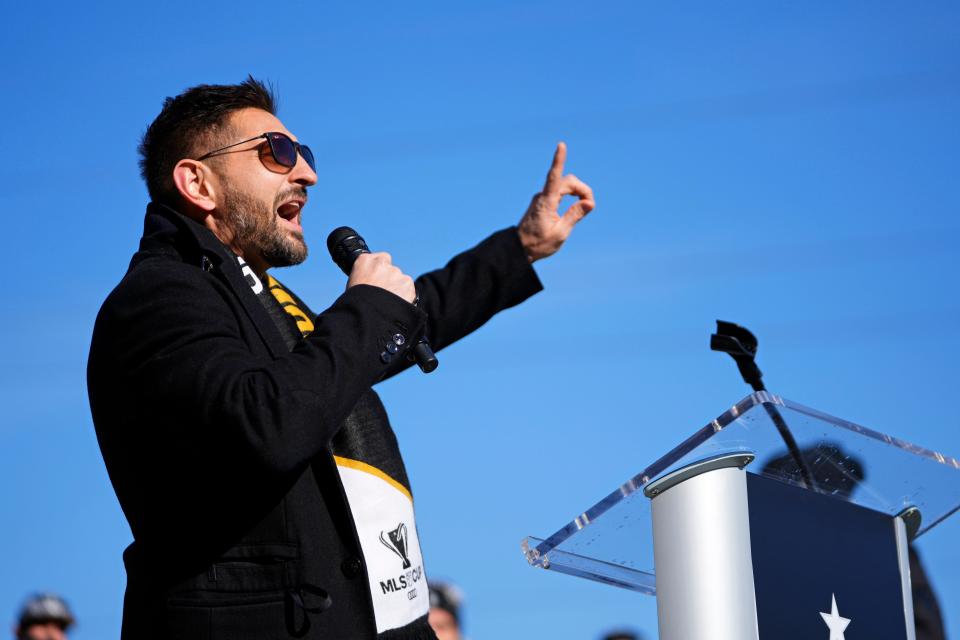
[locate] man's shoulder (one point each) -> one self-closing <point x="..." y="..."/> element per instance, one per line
<point x="158" y="281"/>
<point x="147" y="274"/>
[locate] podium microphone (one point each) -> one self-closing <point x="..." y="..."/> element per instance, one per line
<point x="741" y="345"/>
<point x="345" y="245"/>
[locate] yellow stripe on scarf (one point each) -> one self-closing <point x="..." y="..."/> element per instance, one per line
<point x="367" y="468"/>
<point x="304" y="324"/>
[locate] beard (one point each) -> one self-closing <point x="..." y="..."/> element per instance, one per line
<point x="257" y="229"/>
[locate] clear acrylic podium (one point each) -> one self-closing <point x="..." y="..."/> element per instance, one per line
<point x="741" y="542"/>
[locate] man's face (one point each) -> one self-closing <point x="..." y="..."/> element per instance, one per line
<point x="42" y="631"/>
<point x="262" y="202"/>
<point x="443" y="624"/>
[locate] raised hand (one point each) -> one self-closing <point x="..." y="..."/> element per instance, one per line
<point x="542" y="229"/>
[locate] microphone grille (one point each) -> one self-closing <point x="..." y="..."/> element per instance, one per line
<point x="344" y="245"/>
<point x="337" y="236"/>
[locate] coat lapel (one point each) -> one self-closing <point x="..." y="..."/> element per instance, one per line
<point x="230" y="269"/>
<point x="212" y="255"/>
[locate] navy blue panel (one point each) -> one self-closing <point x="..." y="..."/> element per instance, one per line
<point x="809" y="547"/>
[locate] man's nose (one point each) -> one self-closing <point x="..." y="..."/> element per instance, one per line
<point x="302" y="174"/>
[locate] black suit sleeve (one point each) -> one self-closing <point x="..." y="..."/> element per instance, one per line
<point x="476" y="284"/>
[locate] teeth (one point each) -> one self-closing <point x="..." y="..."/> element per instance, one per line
<point x="289" y="209"/>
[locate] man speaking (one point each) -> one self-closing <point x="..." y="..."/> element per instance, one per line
<point x="257" y="469"/>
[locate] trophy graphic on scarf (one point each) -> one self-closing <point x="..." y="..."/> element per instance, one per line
<point x="396" y="541"/>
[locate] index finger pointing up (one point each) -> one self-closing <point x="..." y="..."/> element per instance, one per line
<point x="556" y="169"/>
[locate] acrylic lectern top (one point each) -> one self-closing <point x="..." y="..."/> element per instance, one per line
<point x="612" y="541"/>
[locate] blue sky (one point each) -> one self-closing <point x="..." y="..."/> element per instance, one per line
<point x="783" y="165"/>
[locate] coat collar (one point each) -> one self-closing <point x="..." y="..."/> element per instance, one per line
<point x="168" y="232"/>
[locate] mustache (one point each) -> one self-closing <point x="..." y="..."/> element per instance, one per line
<point x="293" y="192"/>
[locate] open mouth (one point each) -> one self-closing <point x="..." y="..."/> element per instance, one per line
<point x="290" y="210"/>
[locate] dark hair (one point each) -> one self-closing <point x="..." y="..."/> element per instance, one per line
<point x="447" y="597"/>
<point x="191" y="122"/>
<point x="622" y="634"/>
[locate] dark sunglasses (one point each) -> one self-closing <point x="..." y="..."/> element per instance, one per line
<point x="282" y="148"/>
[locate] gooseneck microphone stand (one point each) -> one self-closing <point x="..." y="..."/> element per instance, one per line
<point x="741" y="345"/>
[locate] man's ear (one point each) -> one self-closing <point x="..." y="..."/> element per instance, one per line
<point x="196" y="184"/>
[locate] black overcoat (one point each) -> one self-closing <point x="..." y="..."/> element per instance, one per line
<point x="217" y="438"/>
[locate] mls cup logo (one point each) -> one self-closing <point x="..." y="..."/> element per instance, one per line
<point x="396" y="541"/>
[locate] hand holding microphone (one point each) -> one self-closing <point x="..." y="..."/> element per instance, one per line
<point x="378" y="270"/>
<point x="351" y="254"/>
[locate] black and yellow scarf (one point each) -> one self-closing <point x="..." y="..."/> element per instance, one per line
<point x="374" y="477"/>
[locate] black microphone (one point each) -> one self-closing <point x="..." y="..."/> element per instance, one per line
<point x="344" y="245"/>
<point x="741" y="345"/>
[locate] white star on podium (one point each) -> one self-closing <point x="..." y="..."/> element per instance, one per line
<point x="836" y="623"/>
